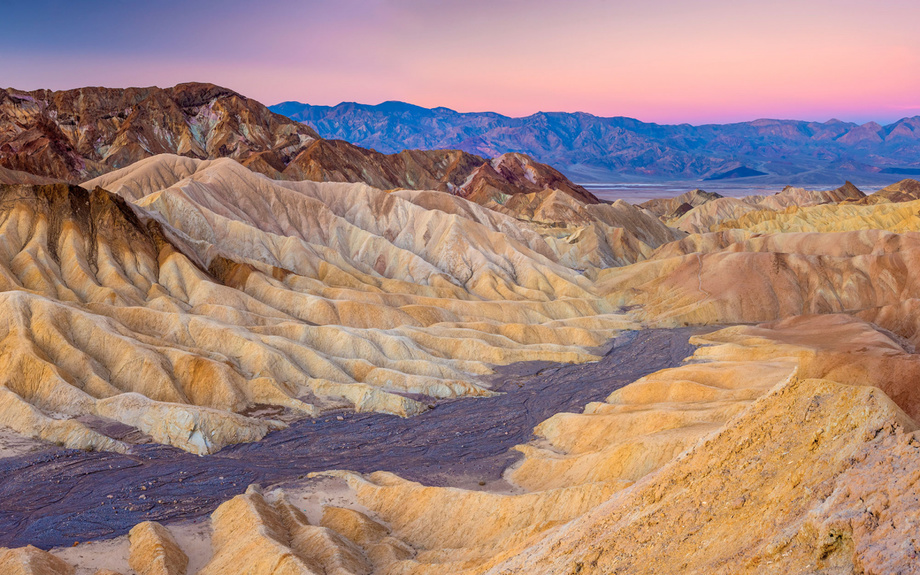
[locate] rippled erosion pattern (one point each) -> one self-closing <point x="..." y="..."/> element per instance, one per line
<point x="61" y="496"/>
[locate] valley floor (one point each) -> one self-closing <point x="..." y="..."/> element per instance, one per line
<point x="58" y="497"/>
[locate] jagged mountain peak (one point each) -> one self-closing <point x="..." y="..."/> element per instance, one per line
<point x="76" y="134"/>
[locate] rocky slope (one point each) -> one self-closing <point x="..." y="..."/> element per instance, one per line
<point x="753" y="497"/>
<point x="197" y="303"/>
<point x="76" y="135"/>
<point x="736" y="276"/>
<point x="695" y="468"/>
<point x="904" y="191"/>
<point x="213" y="290"/>
<point x="613" y="149"/>
<point x="698" y="211"/>
<point x="670" y="208"/>
<point x="8" y="176"/>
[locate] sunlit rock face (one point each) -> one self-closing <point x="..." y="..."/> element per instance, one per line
<point x="200" y="290"/>
<point x="735" y="276"/>
<point x="668" y="208"/>
<point x="698" y="211"/>
<point x="808" y="477"/>
<point x="773" y="446"/>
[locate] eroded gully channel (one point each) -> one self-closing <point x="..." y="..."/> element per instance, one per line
<point x="61" y="496"/>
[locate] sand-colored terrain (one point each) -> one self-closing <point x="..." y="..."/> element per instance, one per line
<point x="700" y="212"/>
<point x="199" y="304"/>
<point x="772" y="448"/>
<point x="737" y="277"/>
<point x="216" y="290"/>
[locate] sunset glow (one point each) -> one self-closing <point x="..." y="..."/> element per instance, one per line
<point x="660" y="60"/>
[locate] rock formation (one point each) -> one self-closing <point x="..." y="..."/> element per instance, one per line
<point x="671" y="208"/>
<point x="510" y="174"/>
<point x="32" y="561"/>
<point x="704" y="217"/>
<point x="8" y="176"/>
<point x="213" y="290"/>
<point x="732" y="277"/>
<point x="76" y="134"/>
<point x="753" y="496"/>
<point x="775" y="446"/>
<point x="154" y="551"/>
<point x="257" y="278"/>
<point x="79" y="134"/>
<point x="700" y="212"/>
<point x="800" y="197"/>
<point x="904" y="191"/>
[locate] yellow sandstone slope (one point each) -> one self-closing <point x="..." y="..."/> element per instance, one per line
<point x="786" y="446"/>
<point x="894" y="217"/>
<point x="774" y="448"/>
<point x="218" y="290"/>
<point x="733" y="277"/>
<point x="709" y="212"/>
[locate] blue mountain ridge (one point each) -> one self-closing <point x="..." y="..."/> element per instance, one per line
<point x="592" y="148"/>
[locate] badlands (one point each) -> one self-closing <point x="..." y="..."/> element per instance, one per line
<point x="232" y="347"/>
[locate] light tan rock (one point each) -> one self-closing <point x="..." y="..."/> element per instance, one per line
<point x="669" y="208"/>
<point x="252" y="535"/>
<point x="748" y="499"/>
<point x="198" y="430"/>
<point x="154" y="551"/>
<point x="180" y="312"/>
<point x="703" y="218"/>
<point x="645" y="425"/>
<point x="32" y="561"/>
<point x="773" y="447"/>
<point x="700" y="212"/>
<point x="894" y="217"/>
<point x="800" y="197"/>
<point x="762" y="278"/>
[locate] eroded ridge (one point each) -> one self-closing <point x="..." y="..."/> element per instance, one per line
<point x="775" y="447"/>
<point x="187" y="310"/>
<point x="57" y="497"/>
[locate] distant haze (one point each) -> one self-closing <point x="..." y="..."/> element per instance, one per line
<point x="657" y="60"/>
<point x="595" y="149"/>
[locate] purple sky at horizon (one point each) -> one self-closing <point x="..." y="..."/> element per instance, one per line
<point x="666" y="61"/>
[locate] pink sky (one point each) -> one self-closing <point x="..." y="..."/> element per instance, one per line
<point x="657" y="60"/>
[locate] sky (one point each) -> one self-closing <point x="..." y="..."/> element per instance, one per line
<point x="666" y="61"/>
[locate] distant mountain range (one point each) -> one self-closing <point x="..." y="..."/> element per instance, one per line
<point x="76" y="135"/>
<point x="592" y="148"/>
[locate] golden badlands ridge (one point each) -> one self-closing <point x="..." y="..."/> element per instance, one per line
<point x="185" y="297"/>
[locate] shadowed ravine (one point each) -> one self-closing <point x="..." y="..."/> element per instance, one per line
<point x="62" y="496"/>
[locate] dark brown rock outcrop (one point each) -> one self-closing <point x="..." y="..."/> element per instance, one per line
<point x="76" y="135"/>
